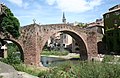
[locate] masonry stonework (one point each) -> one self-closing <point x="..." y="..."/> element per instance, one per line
<point x="33" y="38"/>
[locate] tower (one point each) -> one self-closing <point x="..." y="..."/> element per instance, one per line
<point x="64" y="19"/>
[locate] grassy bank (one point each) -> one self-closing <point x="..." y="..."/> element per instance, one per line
<point x="30" y="69"/>
<point x="84" y="70"/>
<point x="78" y="69"/>
<point x="58" y="53"/>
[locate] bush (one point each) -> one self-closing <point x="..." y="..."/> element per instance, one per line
<point x="108" y="58"/>
<point x="42" y="74"/>
<point x="12" y="58"/>
<point x="84" y="70"/>
<point x="30" y="69"/>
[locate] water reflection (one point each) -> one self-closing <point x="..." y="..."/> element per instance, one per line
<point x="51" y="61"/>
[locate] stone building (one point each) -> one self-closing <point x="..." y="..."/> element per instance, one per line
<point x="61" y="41"/>
<point x="112" y="29"/>
<point x="98" y="27"/>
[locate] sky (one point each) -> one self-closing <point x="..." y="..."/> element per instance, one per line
<point x="51" y="11"/>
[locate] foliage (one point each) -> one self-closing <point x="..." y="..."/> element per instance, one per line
<point x="1" y="76"/>
<point x="84" y="70"/>
<point x="9" y="23"/>
<point x="82" y="25"/>
<point x="13" y="57"/>
<point x="111" y="20"/>
<point x="112" y="31"/>
<point x="112" y="40"/>
<point x="108" y="58"/>
<point x="36" y="71"/>
<point x="78" y="69"/>
<point x="52" y="52"/>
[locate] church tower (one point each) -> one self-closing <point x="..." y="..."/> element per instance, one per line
<point x="64" y="19"/>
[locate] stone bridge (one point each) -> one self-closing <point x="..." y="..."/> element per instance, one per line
<point x="33" y="38"/>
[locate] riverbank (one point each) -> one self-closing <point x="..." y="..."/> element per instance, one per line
<point x="69" y="56"/>
<point x="8" y="71"/>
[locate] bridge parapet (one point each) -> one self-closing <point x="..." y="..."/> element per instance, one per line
<point x="62" y="26"/>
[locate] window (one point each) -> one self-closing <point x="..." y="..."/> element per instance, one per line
<point x="117" y="13"/>
<point x="107" y="16"/>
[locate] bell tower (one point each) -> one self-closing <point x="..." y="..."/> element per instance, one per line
<point x="64" y="19"/>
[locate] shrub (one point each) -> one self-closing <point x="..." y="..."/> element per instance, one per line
<point x="84" y="70"/>
<point x="42" y="74"/>
<point x="12" y="58"/>
<point x="29" y="69"/>
<point x="108" y="58"/>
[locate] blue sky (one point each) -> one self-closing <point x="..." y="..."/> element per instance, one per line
<point x="50" y="11"/>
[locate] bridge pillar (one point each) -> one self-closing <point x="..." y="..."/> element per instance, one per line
<point x="92" y="45"/>
<point x="31" y="48"/>
<point x="31" y="53"/>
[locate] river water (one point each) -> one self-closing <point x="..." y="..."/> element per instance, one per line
<point x="51" y="61"/>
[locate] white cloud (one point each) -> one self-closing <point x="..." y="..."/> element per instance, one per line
<point x="17" y="2"/>
<point x="77" y="6"/>
<point x="20" y="3"/>
<point x="50" y="2"/>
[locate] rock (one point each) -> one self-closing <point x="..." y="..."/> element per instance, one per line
<point x="26" y="75"/>
<point x="7" y="71"/>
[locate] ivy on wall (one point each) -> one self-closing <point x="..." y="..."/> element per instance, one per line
<point x="112" y="40"/>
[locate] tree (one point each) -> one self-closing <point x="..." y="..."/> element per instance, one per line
<point x="8" y="22"/>
<point x="81" y="24"/>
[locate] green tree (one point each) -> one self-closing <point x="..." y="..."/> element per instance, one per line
<point x="80" y="24"/>
<point x="8" y="22"/>
<point x="13" y="56"/>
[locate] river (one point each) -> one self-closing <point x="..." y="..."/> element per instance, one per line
<point x="51" y="61"/>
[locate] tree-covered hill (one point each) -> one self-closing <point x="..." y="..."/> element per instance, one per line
<point x="8" y="22"/>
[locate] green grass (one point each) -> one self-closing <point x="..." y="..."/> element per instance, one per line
<point x="77" y="69"/>
<point x="30" y="69"/>
<point x="1" y="76"/>
<point x="57" y="53"/>
<point x="84" y="70"/>
<point x="108" y="58"/>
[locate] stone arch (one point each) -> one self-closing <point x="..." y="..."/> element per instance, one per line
<point x="78" y="37"/>
<point x="19" y="46"/>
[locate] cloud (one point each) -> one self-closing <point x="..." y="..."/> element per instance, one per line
<point x="76" y="6"/>
<point x="50" y="2"/>
<point x="22" y="3"/>
<point x="17" y="2"/>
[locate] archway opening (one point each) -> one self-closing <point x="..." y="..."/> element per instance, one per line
<point x="12" y="51"/>
<point x="57" y="41"/>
